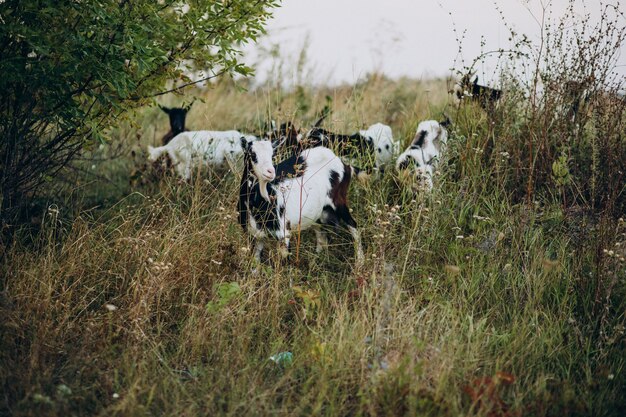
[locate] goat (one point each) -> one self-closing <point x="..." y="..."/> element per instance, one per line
<point x="204" y="147"/>
<point x="486" y="97"/>
<point x="422" y="155"/>
<point x="307" y="190"/>
<point x="177" y="121"/>
<point x="377" y="140"/>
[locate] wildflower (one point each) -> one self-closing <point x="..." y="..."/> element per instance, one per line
<point x="110" y="307"/>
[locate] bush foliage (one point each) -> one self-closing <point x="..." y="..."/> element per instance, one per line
<point x="70" y="69"/>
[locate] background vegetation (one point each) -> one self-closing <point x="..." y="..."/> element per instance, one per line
<point x="501" y="293"/>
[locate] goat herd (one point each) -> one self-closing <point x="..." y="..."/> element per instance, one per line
<point x="309" y="188"/>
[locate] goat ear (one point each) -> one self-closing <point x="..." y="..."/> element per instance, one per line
<point x="278" y="143"/>
<point x="476" y="80"/>
<point x="245" y="145"/>
<point x="446" y="123"/>
<point x="419" y="139"/>
<point x="165" y="109"/>
<point x="188" y="107"/>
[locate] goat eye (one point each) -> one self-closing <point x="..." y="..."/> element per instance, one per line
<point x="387" y="146"/>
<point x="379" y="150"/>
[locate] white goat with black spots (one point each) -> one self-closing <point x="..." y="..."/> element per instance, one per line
<point x="422" y="157"/>
<point x="307" y="190"/>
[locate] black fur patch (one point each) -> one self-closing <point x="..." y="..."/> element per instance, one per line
<point x="419" y="139"/>
<point x="291" y="167"/>
<point x="334" y="179"/>
<point x="407" y="163"/>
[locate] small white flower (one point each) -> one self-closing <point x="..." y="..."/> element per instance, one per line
<point x="110" y="307"/>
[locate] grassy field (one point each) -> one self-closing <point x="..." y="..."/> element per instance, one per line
<point x="501" y="293"/>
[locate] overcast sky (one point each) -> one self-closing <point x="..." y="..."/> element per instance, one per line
<point x="415" y="38"/>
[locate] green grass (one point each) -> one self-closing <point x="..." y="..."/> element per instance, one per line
<point x="468" y="283"/>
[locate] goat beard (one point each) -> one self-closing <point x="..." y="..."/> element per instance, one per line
<point x="263" y="189"/>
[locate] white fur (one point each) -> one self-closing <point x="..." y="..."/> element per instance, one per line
<point x="189" y="150"/>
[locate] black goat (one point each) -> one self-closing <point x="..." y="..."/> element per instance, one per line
<point x="485" y="96"/>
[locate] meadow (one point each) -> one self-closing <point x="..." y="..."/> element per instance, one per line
<point x="494" y="295"/>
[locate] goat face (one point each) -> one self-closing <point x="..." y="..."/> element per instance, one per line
<point x="258" y="154"/>
<point x="177" y="118"/>
<point x="382" y="141"/>
<point x="430" y="133"/>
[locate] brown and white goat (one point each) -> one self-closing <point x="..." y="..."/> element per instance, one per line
<point x="307" y="190"/>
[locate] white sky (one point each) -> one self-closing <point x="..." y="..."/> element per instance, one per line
<point x="415" y="38"/>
